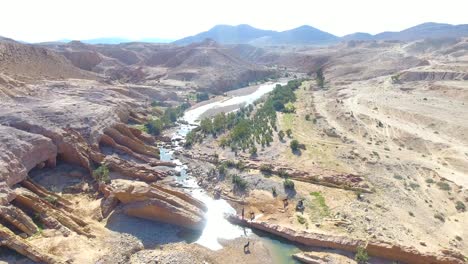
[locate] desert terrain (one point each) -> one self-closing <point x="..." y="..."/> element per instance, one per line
<point x="380" y="166"/>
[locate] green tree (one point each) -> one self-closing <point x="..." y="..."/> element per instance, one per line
<point x="294" y="145"/>
<point x="253" y="150"/>
<point x="101" y="174"/>
<point x="219" y="122"/>
<point x="203" y="96"/>
<point x="154" y="127"/>
<point x="320" y="78"/>
<point x="206" y="125"/>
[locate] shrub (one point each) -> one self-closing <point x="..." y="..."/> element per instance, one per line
<point x="239" y="182"/>
<point x="289" y="108"/>
<point x="430" y="181"/>
<point x="222" y="169"/>
<point x="440" y="217"/>
<point x="281" y="134"/>
<point x="307" y="117"/>
<point x="101" y="174"/>
<point x="444" y="186"/>
<point x="283" y="173"/>
<point x="230" y="163"/>
<point x="301" y="219"/>
<point x="240" y="165"/>
<point x="294" y="145"/>
<point x="460" y="206"/>
<point x="266" y="168"/>
<point x="361" y="256"/>
<point x="289" y="133"/>
<point x="273" y="191"/>
<point x="288" y="184"/>
<point x="253" y="150"/>
<point x="51" y="199"/>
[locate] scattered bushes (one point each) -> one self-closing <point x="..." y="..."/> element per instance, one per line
<point x="101" y="174"/>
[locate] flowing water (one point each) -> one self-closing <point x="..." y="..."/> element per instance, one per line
<point x="217" y="226"/>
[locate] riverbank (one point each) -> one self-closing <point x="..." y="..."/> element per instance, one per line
<point x="376" y="248"/>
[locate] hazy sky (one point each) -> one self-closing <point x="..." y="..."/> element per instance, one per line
<point x="45" y="20"/>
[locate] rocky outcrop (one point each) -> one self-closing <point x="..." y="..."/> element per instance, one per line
<point x="155" y="202"/>
<point x="17" y="218"/>
<point x="16" y="243"/>
<point x="85" y="60"/>
<point x="142" y="172"/>
<point x="322" y="258"/>
<point x="411" y="76"/>
<point x="124" y="136"/>
<point x="31" y="202"/>
<point x="406" y="254"/>
<point x="23" y="151"/>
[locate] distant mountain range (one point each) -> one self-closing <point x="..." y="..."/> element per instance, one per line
<point x="245" y="34"/>
<point x="303" y="35"/>
<point x="117" y="40"/>
<point x="307" y="35"/>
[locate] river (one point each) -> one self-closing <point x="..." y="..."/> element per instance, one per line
<point x="217" y="226"/>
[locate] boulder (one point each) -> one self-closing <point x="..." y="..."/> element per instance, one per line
<point x="159" y="203"/>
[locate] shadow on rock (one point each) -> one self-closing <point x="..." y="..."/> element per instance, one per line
<point x="150" y="233"/>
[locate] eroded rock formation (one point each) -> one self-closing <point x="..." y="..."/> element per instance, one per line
<point x="406" y="254"/>
<point x="160" y="203"/>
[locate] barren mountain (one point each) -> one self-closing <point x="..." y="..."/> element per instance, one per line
<point x="245" y="34"/>
<point x="28" y="62"/>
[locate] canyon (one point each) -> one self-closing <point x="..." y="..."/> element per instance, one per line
<point x="382" y="162"/>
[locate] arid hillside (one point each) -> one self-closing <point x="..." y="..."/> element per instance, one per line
<point x="205" y="65"/>
<point x="381" y="158"/>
